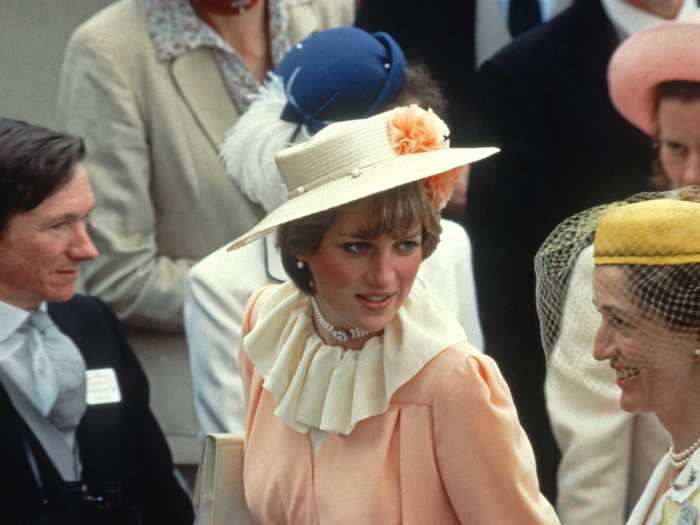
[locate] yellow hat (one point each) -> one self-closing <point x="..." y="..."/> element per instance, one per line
<point x="654" y="232"/>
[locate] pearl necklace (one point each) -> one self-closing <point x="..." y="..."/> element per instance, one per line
<point x="338" y="334"/>
<point x="680" y="459"/>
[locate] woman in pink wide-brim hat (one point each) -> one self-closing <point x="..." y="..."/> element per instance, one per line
<point x="654" y="81"/>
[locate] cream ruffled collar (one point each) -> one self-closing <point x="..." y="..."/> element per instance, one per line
<point x="316" y="386"/>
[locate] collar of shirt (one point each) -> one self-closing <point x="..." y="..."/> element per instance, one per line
<point x="628" y="19"/>
<point x="548" y="8"/>
<point x="491" y="30"/>
<point x="175" y="29"/>
<point x="11" y="318"/>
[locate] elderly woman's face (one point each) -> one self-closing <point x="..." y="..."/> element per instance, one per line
<point x="653" y="363"/>
<point x="361" y="282"/>
<point x="679" y="141"/>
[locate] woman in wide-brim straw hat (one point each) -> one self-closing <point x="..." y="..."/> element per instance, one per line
<point x="654" y="81"/>
<point x="365" y="403"/>
<point x="333" y="75"/>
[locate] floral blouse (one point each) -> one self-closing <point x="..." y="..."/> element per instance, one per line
<point x="175" y="30"/>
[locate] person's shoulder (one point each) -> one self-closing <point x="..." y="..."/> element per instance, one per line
<point x="111" y="17"/>
<point x="332" y="13"/>
<point x="445" y="268"/>
<point x="224" y="266"/>
<point x="553" y="41"/>
<point x="82" y="305"/>
<point x="119" y="26"/>
<point x="453" y="236"/>
<point x="454" y="372"/>
<point x="96" y="330"/>
<point x="83" y="317"/>
<point x="459" y="360"/>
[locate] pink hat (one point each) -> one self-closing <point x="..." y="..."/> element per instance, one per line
<point x="667" y="51"/>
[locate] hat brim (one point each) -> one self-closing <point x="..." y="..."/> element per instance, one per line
<point x="664" y="52"/>
<point x="373" y="179"/>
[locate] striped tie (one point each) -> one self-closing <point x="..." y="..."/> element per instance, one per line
<point x="58" y="373"/>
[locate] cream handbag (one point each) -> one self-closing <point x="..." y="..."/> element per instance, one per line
<point x="218" y="491"/>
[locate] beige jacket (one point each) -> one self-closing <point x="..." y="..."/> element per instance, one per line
<point x="152" y="132"/>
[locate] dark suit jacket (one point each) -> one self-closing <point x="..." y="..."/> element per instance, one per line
<point x="564" y="149"/>
<point x="134" y="454"/>
<point x="441" y="36"/>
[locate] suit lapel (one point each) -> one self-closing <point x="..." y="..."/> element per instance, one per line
<point x="71" y="325"/>
<point x="199" y="81"/>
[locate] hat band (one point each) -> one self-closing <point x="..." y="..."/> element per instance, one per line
<point x="325" y="179"/>
<point x="647" y="260"/>
<point x="335" y="158"/>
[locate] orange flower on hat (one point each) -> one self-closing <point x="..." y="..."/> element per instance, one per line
<point x="441" y="186"/>
<point x="413" y="129"/>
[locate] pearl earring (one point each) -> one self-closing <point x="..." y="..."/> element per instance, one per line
<point x="300" y="264"/>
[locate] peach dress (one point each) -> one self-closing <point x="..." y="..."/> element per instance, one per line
<point x="417" y="427"/>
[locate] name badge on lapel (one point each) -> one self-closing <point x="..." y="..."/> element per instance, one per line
<point x="102" y="387"/>
<point x="688" y="515"/>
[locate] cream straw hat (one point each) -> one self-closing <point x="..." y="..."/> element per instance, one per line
<point x="350" y="160"/>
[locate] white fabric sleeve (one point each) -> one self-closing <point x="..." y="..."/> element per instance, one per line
<point x="216" y="292"/>
<point x="593" y="433"/>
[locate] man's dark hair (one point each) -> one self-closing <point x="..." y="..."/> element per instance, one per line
<point x="35" y="162"/>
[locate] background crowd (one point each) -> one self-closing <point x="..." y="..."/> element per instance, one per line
<point x="175" y="108"/>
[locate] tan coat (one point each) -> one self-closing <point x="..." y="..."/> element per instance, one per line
<point x="152" y="132"/>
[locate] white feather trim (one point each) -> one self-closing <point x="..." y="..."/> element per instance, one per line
<point x="250" y="146"/>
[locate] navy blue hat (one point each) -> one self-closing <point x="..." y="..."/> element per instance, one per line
<point x="340" y="74"/>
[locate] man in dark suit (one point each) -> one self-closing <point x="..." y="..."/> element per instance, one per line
<point x="564" y="149"/>
<point x="79" y="444"/>
<point x="451" y="37"/>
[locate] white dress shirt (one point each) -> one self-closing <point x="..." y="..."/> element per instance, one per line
<point x="548" y="8"/>
<point x="492" y="24"/>
<point x="629" y="19"/>
<point x="15" y="375"/>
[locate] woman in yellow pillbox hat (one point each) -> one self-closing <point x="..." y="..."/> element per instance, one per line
<point x="647" y="290"/>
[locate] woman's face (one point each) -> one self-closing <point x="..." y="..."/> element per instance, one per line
<point x="679" y="141"/>
<point x="361" y="282"/>
<point x="654" y="364"/>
